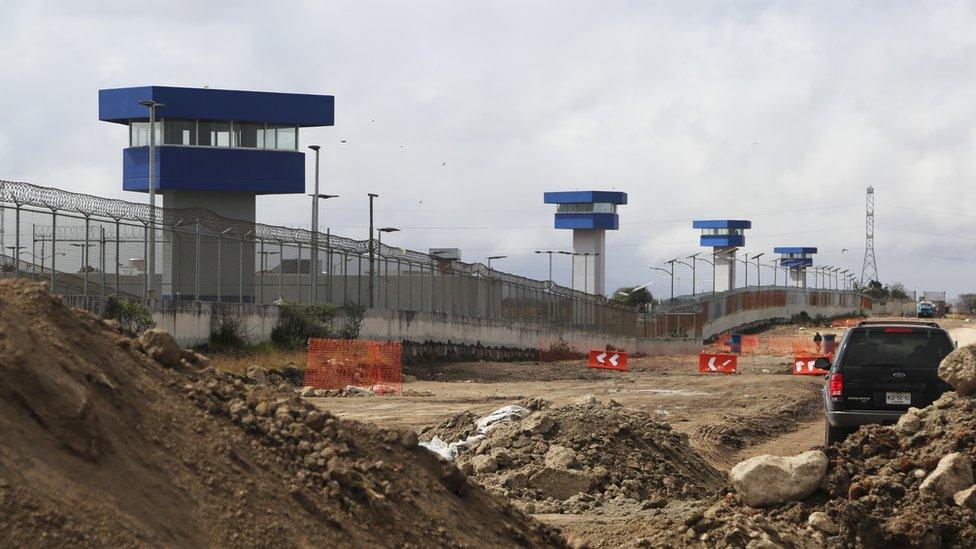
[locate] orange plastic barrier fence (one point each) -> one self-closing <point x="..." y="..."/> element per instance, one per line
<point x="339" y="363"/>
<point x="803" y="364"/>
<point x="717" y="363"/>
<point x="608" y="360"/>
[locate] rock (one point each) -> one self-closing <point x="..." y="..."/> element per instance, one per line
<point x="920" y="473"/>
<point x="771" y="480"/>
<point x="909" y="423"/>
<point x="560" y="484"/>
<point x="315" y="421"/>
<point x="822" y="522"/>
<point x="966" y="498"/>
<point x="308" y="391"/>
<point x="587" y="400"/>
<point x="953" y="474"/>
<point x="161" y="347"/>
<point x="257" y="374"/>
<point x="560" y="457"/>
<point x="408" y="438"/>
<point x="959" y="370"/>
<point x="483" y="464"/>
<point x="538" y="424"/>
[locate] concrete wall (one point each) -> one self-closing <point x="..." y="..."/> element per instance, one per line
<point x="741" y="319"/>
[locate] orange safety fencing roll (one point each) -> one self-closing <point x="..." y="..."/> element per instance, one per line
<point x="339" y="363"/>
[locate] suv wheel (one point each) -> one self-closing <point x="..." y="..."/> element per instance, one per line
<point x="833" y="434"/>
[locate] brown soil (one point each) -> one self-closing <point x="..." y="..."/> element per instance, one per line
<point x="102" y="446"/>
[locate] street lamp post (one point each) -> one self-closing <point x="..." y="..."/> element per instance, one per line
<point x="314" y="225"/>
<point x="758" y="274"/>
<point x="670" y="274"/>
<point x="151" y="263"/>
<point x="694" y="277"/>
<point x="549" y="253"/>
<point x="692" y="273"/>
<point x="371" y="250"/>
<point x="495" y="257"/>
<point x="316" y="196"/>
<point x="379" y="246"/>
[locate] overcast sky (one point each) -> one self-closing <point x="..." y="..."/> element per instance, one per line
<point x="777" y="112"/>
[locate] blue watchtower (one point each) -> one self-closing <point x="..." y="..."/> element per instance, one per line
<point x="724" y="236"/>
<point x="590" y="214"/>
<point x="796" y="259"/>
<point x="216" y="149"/>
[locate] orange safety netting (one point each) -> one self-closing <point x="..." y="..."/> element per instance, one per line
<point x="773" y="345"/>
<point x="339" y="363"/>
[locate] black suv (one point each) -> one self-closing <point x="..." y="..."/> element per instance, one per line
<point x="882" y="368"/>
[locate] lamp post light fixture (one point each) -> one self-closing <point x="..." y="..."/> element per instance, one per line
<point x="489" y="258"/>
<point x="314" y="225"/>
<point x="151" y="263"/>
<point x="549" y="253"/>
<point x="670" y="274"/>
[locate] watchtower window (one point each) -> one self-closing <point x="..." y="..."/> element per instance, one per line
<point x="180" y="132"/>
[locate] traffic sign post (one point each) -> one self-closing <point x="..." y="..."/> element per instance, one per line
<point x="608" y="360"/>
<point x="717" y="363"/>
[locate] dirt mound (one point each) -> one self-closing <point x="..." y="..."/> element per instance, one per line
<point x="872" y="495"/>
<point x="102" y="446"/>
<point x="584" y="456"/>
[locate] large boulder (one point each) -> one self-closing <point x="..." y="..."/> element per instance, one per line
<point x="953" y="474"/>
<point x="770" y="480"/>
<point x="959" y="369"/>
<point x="161" y="347"/>
<point x="560" y="484"/>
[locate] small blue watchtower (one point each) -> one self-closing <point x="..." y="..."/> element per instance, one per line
<point x="796" y="259"/>
<point x="724" y="236"/>
<point x="590" y="214"/>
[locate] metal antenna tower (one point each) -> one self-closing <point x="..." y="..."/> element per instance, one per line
<point x="869" y="271"/>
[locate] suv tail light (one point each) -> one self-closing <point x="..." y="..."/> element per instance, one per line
<point x="836" y="386"/>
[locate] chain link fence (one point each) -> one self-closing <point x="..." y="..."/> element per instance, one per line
<point x="89" y="246"/>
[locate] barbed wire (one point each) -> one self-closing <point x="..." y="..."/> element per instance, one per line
<point x="23" y="194"/>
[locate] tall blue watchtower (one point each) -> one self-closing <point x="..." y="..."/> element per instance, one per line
<point x="216" y="149"/>
<point x="796" y="259"/>
<point x="724" y="236"/>
<point x="590" y="214"/>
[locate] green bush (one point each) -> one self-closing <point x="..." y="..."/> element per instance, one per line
<point x="353" y="318"/>
<point x="299" y="322"/>
<point x="132" y="316"/>
<point x="228" y="329"/>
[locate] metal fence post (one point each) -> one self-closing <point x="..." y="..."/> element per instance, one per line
<point x="281" y="268"/>
<point x="219" y="239"/>
<point x="240" y="277"/>
<point x="54" y="246"/>
<point x="196" y="263"/>
<point x="17" y="240"/>
<point x="261" y="269"/>
<point x="298" y="274"/>
<point x="101" y="259"/>
<point x="118" y="260"/>
<point x="145" y="265"/>
<point x="84" y="258"/>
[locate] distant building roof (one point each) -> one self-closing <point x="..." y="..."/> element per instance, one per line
<point x="794" y="250"/>
<point x="585" y="197"/>
<point x="120" y="105"/>
<point x="721" y="224"/>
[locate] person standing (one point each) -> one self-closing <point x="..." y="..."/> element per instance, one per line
<point x="818" y="340"/>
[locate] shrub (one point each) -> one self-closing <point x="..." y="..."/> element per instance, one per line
<point x="132" y="316"/>
<point x="299" y="322"/>
<point x="353" y="316"/>
<point x="228" y="330"/>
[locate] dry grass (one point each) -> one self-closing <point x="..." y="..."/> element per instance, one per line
<point x="238" y="362"/>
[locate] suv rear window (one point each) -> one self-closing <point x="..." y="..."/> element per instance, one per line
<point x="896" y="347"/>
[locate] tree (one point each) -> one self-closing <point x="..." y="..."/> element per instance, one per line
<point x="875" y="290"/>
<point x="639" y="298"/>
<point x="898" y="291"/>
<point x="966" y="303"/>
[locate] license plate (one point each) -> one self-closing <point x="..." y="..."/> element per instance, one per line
<point x="898" y="398"/>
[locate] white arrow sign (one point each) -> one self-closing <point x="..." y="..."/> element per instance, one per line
<point x="613" y="359"/>
<point x="711" y="363"/>
<point x="600" y="357"/>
